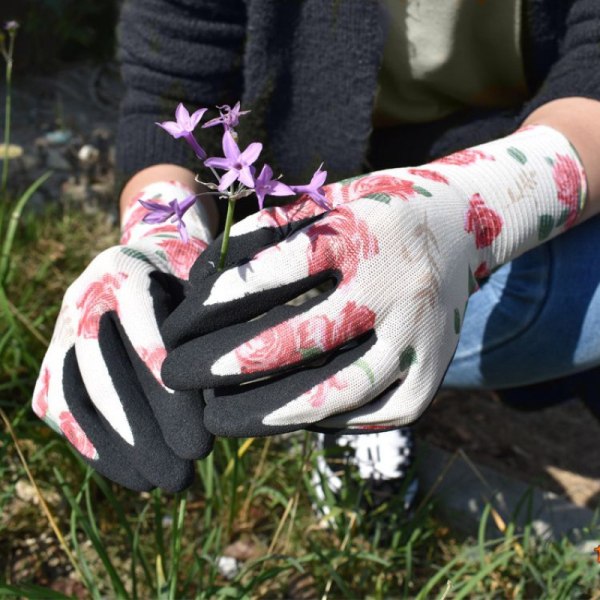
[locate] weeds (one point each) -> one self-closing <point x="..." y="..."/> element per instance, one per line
<point x="67" y="532"/>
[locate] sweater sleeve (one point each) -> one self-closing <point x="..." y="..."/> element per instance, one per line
<point x="173" y="51"/>
<point x="575" y="72"/>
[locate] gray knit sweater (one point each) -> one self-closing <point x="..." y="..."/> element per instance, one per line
<point x="308" y="70"/>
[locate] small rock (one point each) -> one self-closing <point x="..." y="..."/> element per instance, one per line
<point x="26" y="492"/>
<point x="88" y="155"/>
<point x="228" y="567"/>
<point x="58" y="137"/>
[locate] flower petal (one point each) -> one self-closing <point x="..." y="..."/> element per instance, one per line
<point x="227" y="179"/>
<point x="245" y="176"/>
<point x="251" y="153"/>
<point x="230" y="148"/>
<point x="172" y="128"/>
<point x="280" y="189"/>
<point x="156" y="206"/>
<point x="218" y="162"/>
<point x="183" y="117"/>
<point x="318" y="179"/>
<point x="195" y="118"/>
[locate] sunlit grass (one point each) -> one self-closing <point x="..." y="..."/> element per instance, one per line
<point x="123" y="544"/>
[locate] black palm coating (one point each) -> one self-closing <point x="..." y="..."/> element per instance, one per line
<point x="150" y="453"/>
<point x="187" y="367"/>
<point x="192" y="319"/>
<point x="239" y="411"/>
<point x="179" y="414"/>
<point x="111" y="462"/>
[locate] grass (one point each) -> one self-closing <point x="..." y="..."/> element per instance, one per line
<point x="117" y="543"/>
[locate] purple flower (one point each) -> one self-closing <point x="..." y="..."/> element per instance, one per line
<point x="235" y="162"/>
<point x="265" y="185"/>
<point x="11" y="26"/>
<point x="315" y="188"/>
<point x="230" y="117"/>
<point x="159" y="213"/>
<point x="184" y="127"/>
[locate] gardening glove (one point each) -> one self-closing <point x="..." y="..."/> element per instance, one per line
<point x="100" y="384"/>
<point x="404" y="249"/>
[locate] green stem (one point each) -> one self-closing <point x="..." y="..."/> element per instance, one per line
<point x="7" y="110"/>
<point x="225" y="243"/>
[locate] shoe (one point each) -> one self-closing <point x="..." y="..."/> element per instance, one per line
<point x="584" y="386"/>
<point x="369" y="469"/>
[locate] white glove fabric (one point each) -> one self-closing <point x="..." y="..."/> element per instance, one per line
<point x="405" y="247"/>
<point x="100" y="384"/>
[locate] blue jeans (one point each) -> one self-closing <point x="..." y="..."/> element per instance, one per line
<point x="536" y="318"/>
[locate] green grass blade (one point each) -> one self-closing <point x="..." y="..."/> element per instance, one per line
<point x="14" y="221"/>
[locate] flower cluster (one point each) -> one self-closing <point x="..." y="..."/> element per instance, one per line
<point x="239" y="178"/>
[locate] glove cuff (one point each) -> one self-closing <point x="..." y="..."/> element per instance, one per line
<point x="520" y="191"/>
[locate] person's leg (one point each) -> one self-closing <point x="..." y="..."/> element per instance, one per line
<point x="535" y="319"/>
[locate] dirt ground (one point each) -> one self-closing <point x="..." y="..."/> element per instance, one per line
<point x="553" y="448"/>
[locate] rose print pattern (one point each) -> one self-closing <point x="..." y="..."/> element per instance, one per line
<point x="464" y="157"/>
<point x="331" y="240"/>
<point x="483" y="221"/>
<point x="154" y="359"/>
<point x="181" y="256"/>
<point x="133" y="217"/>
<point x="269" y="349"/>
<point x="73" y="432"/>
<point x="382" y="184"/>
<point x="293" y="340"/>
<point x="40" y="402"/>
<point x="481" y="271"/>
<point x="98" y="298"/>
<point x="567" y="177"/>
<point x="316" y="396"/>
<point x="280" y="216"/>
<point x="429" y="174"/>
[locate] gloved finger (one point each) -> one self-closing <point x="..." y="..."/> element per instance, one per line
<point x="194" y="317"/>
<point x="250" y="236"/>
<point x="90" y="434"/>
<point x="188" y="366"/>
<point x="271" y="344"/>
<point x="180" y="415"/>
<point x="302" y="397"/>
<point x="111" y="382"/>
<point x="78" y="421"/>
<point x="402" y="404"/>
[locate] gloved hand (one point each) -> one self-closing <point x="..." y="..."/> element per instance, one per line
<point x="100" y="383"/>
<point x="404" y="248"/>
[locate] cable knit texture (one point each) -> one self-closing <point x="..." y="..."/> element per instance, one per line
<point x="308" y="70"/>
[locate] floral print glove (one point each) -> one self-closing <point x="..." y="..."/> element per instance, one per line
<point x="100" y="383"/>
<point x="404" y="249"/>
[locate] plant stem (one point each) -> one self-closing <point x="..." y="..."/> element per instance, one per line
<point x="225" y="243"/>
<point x="7" y="110"/>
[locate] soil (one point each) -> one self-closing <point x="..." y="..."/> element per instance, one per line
<point x="553" y="448"/>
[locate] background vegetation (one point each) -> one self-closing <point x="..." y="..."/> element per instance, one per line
<point x="66" y="532"/>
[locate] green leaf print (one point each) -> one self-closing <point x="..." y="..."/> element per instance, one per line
<point x="472" y="281"/>
<point x="422" y="191"/>
<point x="379" y="197"/>
<point x="546" y="224"/>
<point x="407" y="358"/>
<point x="562" y="219"/>
<point x="308" y="353"/>
<point x="361" y="363"/>
<point x="136" y="254"/>
<point x="456" y="321"/>
<point x="517" y="155"/>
